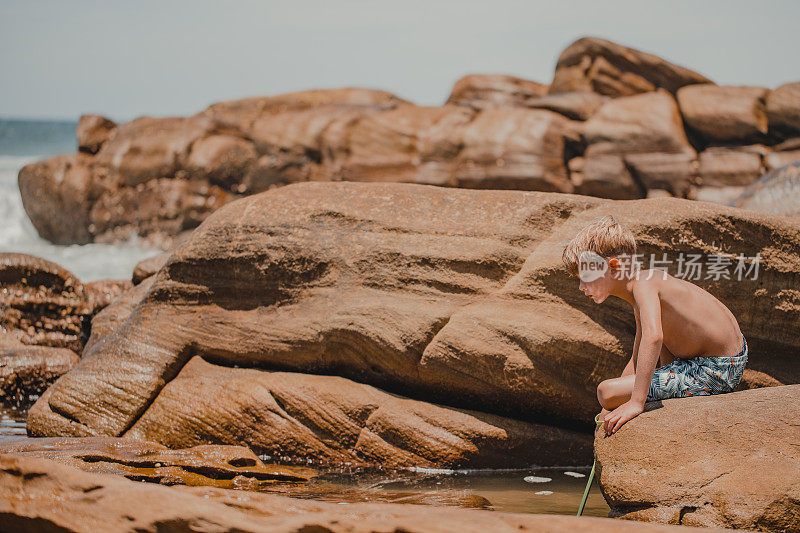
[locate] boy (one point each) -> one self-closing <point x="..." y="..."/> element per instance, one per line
<point x="687" y="342"/>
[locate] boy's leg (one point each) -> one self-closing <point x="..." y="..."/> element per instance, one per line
<point x="612" y="393"/>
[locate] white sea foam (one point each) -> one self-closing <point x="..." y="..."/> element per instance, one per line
<point x="537" y="479"/>
<point x="88" y="262"/>
<point x="574" y="474"/>
<point x="544" y="493"/>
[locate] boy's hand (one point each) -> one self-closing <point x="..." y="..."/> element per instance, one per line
<point x="620" y="415"/>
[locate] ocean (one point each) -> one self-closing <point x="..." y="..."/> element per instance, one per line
<point x="26" y="141"/>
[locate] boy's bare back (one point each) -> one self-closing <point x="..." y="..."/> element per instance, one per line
<point x="693" y="322"/>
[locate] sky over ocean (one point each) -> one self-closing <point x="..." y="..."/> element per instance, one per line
<point x="124" y="60"/>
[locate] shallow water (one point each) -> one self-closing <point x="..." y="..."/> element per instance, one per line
<point x="553" y="491"/>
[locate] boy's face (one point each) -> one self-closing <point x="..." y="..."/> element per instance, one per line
<point x="598" y="280"/>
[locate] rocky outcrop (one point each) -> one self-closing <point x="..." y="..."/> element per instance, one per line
<point x="26" y="371"/>
<point x="42" y="303"/>
<point x="596" y="65"/>
<point x="491" y="90"/>
<point x="777" y="192"/>
<point x="636" y="144"/>
<point x="724" y="114"/>
<point x="147" y="267"/>
<point x="92" y="132"/>
<point x="209" y="466"/>
<point x="783" y="110"/>
<point x="39" y="495"/>
<point x="159" y="178"/>
<point x="439" y="295"/>
<point x="729" y="461"/>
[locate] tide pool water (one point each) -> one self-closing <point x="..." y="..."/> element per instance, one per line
<point x="23" y="142"/>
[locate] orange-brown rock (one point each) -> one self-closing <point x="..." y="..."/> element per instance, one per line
<point x="26" y="371"/>
<point x="729" y="460"/>
<point x="157" y="178"/>
<point x="147" y="267"/>
<point x="42" y="303"/>
<point x="783" y="110"/>
<point x="41" y="495"/>
<point x="92" y="132"/>
<point x="56" y="196"/>
<point x="212" y="466"/>
<point x="724" y="114"/>
<point x="489" y="90"/>
<point x="451" y="296"/>
<point x="634" y="144"/>
<point x="596" y="65"/>
<point x="725" y="167"/>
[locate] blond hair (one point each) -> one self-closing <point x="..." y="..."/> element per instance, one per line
<point x="605" y="237"/>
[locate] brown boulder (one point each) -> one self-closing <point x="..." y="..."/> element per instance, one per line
<point x="42" y="303"/>
<point x="596" y="65"/>
<point x="480" y="91"/>
<point x="637" y="143"/>
<point x="157" y="178"/>
<point x="783" y="110"/>
<point x="92" y="132"/>
<point x="783" y="154"/>
<point x="26" y="371"/>
<point x="726" y="167"/>
<point x="575" y="105"/>
<point x="776" y="193"/>
<point x="729" y="460"/>
<point x="62" y="498"/>
<point x="498" y="148"/>
<point x="724" y="114"/>
<point x="442" y="295"/>
<point x="56" y="196"/>
<point x="147" y="267"/>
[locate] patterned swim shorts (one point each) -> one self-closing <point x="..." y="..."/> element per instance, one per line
<point x="700" y="376"/>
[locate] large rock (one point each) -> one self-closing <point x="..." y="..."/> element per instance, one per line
<point x="596" y="65"/>
<point x="27" y="371"/>
<point x="159" y="177"/>
<point x="723" y="167"/>
<point x="44" y="304"/>
<point x="776" y="193"/>
<point x="783" y="110"/>
<point x="724" y="114"/>
<point x="729" y="461"/>
<point x="40" y="495"/>
<point x="56" y="196"/>
<point x="441" y="295"/>
<point x="635" y="144"/>
<point x="488" y="90"/>
<point x="92" y="132"/>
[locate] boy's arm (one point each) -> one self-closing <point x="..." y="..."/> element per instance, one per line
<point x="649" y="349"/>
<point x="630" y="368"/>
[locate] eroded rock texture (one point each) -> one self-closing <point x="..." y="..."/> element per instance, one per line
<point x="40" y="495"/>
<point x="729" y="461"/>
<point x="449" y="296"/>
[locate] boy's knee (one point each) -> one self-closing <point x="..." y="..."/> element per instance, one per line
<point x="604" y="393"/>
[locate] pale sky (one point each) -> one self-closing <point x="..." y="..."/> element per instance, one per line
<point x="62" y="58"/>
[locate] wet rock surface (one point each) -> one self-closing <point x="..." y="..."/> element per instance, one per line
<point x="138" y="460"/>
<point x="37" y="494"/>
<point x="729" y="460"/>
